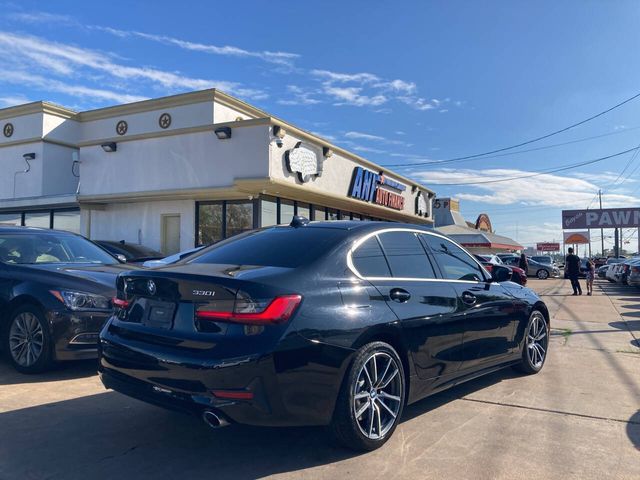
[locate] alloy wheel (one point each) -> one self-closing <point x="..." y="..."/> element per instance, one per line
<point x="537" y="340"/>
<point x="26" y="339"/>
<point x="543" y="274"/>
<point x="377" y="395"/>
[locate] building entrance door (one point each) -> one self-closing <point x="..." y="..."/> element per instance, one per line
<point x="170" y="242"/>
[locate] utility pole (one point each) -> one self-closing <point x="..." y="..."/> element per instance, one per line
<point x="616" y="251"/>
<point x="602" y="229"/>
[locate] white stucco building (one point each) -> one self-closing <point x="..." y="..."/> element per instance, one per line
<point x="183" y="170"/>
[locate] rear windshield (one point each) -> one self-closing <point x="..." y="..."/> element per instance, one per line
<point x="274" y="247"/>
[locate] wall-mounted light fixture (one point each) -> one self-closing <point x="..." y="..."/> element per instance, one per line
<point x="29" y="156"/>
<point x="279" y="132"/>
<point x="327" y="152"/>
<point x="223" y="133"/>
<point x="109" y="147"/>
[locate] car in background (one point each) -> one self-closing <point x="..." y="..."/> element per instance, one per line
<point x="491" y="262"/>
<point x="602" y="271"/>
<point x="535" y="269"/>
<point x="507" y="256"/>
<point x="131" y="252"/>
<point x="317" y="323"/>
<point x="613" y="260"/>
<point x="612" y="272"/>
<point x="546" y="259"/>
<point x="176" y="257"/>
<point x="624" y="269"/>
<point x="55" y="296"/>
<point x="633" y="277"/>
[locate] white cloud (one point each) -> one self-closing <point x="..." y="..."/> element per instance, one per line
<point x="41" y="17"/>
<point x="559" y="191"/>
<point x="337" y="77"/>
<point x="69" y="61"/>
<point x="280" y="58"/>
<point x="353" y="96"/>
<point x="10" y="101"/>
<point x="48" y="84"/>
<point x="362" y="148"/>
<point x="374" y="138"/>
<point x="300" y="96"/>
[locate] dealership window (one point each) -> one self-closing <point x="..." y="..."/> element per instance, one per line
<point x="209" y="223"/>
<point x="38" y="219"/>
<point x="10" y="219"/>
<point x="286" y="211"/>
<point x="68" y="220"/>
<point x="332" y="214"/>
<point x="239" y="218"/>
<point x="318" y="213"/>
<point x="303" y="209"/>
<point x="268" y="211"/>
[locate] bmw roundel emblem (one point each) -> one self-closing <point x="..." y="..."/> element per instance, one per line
<point x="151" y="287"/>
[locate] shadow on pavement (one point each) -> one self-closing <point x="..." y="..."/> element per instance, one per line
<point x="62" y="371"/>
<point x="629" y="325"/>
<point x="110" y="435"/>
<point x="633" y="429"/>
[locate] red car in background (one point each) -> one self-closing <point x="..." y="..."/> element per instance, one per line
<point x="489" y="262"/>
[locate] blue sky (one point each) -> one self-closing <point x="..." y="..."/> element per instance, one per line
<point x="398" y="83"/>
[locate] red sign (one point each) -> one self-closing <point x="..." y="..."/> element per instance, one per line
<point x="548" y="247"/>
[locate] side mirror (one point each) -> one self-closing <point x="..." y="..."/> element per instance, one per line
<point x="121" y="257"/>
<point x="500" y="274"/>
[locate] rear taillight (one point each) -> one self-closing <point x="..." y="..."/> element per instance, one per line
<point x="119" y="303"/>
<point x="279" y="310"/>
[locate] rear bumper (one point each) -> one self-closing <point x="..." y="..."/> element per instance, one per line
<point x="293" y="386"/>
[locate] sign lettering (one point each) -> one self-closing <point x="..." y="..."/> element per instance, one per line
<point x="605" y="218"/>
<point x="367" y="185"/>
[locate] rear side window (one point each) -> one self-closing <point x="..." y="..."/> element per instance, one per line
<point x="455" y="263"/>
<point x="275" y="247"/>
<point x="369" y="259"/>
<point x="406" y="255"/>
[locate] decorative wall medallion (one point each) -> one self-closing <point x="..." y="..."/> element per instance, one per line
<point x="121" y="127"/>
<point x="165" y="120"/>
<point x="422" y="210"/>
<point x="304" y="161"/>
<point x="8" y="129"/>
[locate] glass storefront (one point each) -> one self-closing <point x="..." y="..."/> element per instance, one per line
<point x="10" y="219"/>
<point x="218" y="220"/>
<point x="239" y="218"/>
<point x="286" y="211"/>
<point x="67" y="220"/>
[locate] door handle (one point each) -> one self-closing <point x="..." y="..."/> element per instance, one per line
<point x="469" y="298"/>
<point x="399" y="295"/>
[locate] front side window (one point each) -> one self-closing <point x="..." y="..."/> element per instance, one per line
<point x="406" y="255"/>
<point x="454" y="263"/>
<point x="27" y="249"/>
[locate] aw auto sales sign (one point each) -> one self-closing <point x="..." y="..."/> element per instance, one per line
<point x="605" y="218"/>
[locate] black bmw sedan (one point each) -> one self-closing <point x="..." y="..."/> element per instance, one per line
<point x="55" y="296"/>
<point x="320" y="323"/>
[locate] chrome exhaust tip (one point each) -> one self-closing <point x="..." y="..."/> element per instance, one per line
<point x="213" y="420"/>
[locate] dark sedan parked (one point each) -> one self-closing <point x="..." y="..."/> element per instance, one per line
<point x="327" y="323"/>
<point x="130" y="252"/>
<point x="55" y="296"/>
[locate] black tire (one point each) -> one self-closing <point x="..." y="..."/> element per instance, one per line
<point x="530" y="362"/>
<point x="344" y="427"/>
<point x="41" y="362"/>
<point x="542" y="274"/>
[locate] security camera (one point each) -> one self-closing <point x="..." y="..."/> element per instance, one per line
<point x="279" y="142"/>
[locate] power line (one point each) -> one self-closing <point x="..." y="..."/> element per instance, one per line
<point x="542" y="137"/>
<point x="543" y="172"/>
<point x="546" y="147"/>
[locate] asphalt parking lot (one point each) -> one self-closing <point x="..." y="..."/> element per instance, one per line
<point x="579" y="418"/>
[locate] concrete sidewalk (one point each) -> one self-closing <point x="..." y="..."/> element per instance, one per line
<point x="578" y="419"/>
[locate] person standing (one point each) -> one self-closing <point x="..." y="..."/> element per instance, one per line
<point x="572" y="267"/>
<point x="591" y="274"/>
<point x="524" y="263"/>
